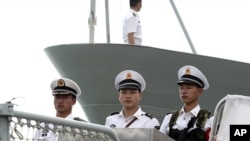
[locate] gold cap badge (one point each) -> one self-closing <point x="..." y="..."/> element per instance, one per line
<point x="60" y="83"/>
<point x="129" y="75"/>
<point x="188" y="71"/>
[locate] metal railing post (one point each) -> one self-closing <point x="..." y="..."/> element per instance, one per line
<point x="6" y="110"/>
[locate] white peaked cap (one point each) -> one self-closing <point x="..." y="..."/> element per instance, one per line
<point x="130" y="79"/>
<point x="65" y="85"/>
<point x="191" y="74"/>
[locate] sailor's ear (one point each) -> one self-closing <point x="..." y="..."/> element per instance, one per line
<point x="74" y="100"/>
<point x="200" y="91"/>
<point x="119" y="95"/>
<point x="140" y="96"/>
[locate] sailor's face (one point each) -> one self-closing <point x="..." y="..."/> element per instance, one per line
<point x="64" y="102"/>
<point x="129" y="98"/>
<point x="189" y="93"/>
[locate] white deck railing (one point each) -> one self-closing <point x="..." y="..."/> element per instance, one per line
<point x="23" y="126"/>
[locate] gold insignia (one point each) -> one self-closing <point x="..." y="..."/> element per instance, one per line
<point x="60" y="83"/>
<point x="129" y="75"/>
<point x="188" y="71"/>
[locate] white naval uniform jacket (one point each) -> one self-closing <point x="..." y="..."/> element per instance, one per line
<point x="132" y="24"/>
<point x="142" y="121"/>
<point x="50" y="136"/>
<point x="183" y="120"/>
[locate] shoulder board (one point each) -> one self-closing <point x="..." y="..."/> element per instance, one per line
<point x="157" y="127"/>
<point x="169" y="113"/>
<point x="149" y="115"/>
<point x="79" y="119"/>
<point x="115" y="113"/>
<point x="172" y="112"/>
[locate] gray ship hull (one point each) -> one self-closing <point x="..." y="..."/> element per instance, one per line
<point x="95" y="66"/>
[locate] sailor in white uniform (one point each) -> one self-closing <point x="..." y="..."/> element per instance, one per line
<point x="132" y="33"/>
<point x="190" y="122"/>
<point x="130" y="85"/>
<point x="65" y="92"/>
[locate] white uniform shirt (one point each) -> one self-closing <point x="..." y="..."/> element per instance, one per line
<point x="131" y="24"/>
<point x="142" y="121"/>
<point x="49" y="135"/>
<point x="183" y="120"/>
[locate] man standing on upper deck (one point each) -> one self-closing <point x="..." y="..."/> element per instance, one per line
<point x="131" y="24"/>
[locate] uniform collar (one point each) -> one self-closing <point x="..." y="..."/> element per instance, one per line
<point x="137" y="114"/>
<point x="133" y="11"/>
<point x="194" y="111"/>
<point x="70" y="116"/>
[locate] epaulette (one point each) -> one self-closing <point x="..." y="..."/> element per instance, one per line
<point x="172" y="112"/>
<point x="114" y="113"/>
<point x="157" y="127"/>
<point x="169" y="113"/>
<point x="79" y="119"/>
<point x="149" y="115"/>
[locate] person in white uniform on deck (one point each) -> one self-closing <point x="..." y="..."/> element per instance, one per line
<point x="65" y="92"/>
<point x="190" y="123"/>
<point x="132" y="33"/>
<point x="130" y="85"/>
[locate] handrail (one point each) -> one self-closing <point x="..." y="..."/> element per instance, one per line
<point x="217" y="118"/>
<point x="7" y="112"/>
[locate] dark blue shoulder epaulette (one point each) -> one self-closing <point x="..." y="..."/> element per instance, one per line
<point x="149" y="115"/>
<point x="171" y="112"/>
<point x="114" y="113"/>
<point x="79" y="119"/>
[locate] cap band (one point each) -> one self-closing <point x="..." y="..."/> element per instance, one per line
<point x="61" y="93"/>
<point x="65" y="88"/>
<point x="129" y="83"/>
<point x="193" y="79"/>
<point x="131" y="86"/>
